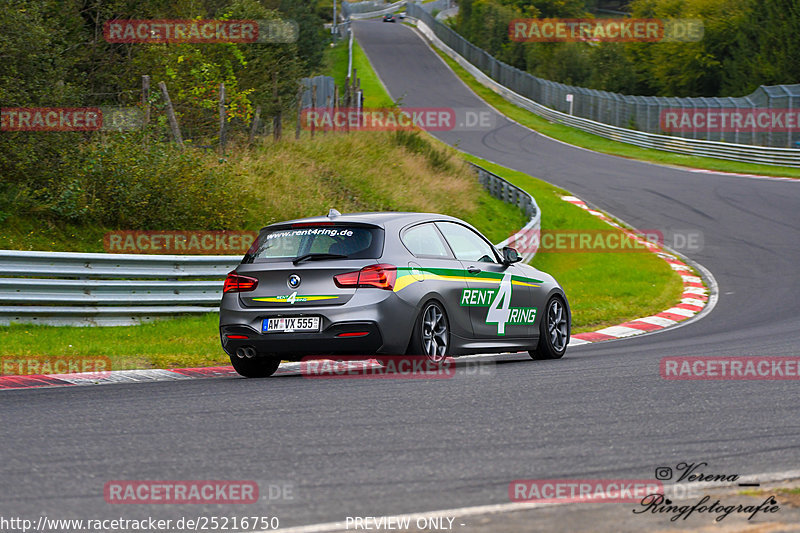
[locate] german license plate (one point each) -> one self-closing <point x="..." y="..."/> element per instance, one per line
<point x="289" y="324"/>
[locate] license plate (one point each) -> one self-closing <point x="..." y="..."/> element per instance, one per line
<point x="290" y="324"/>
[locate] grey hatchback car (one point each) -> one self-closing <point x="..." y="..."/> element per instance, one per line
<point x="389" y="283"/>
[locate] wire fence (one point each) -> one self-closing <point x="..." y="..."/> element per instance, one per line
<point x="739" y="120"/>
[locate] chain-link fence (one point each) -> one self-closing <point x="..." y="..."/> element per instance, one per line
<point x="740" y="120"/>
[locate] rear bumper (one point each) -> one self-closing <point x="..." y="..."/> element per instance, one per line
<point x="333" y="340"/>
<point x="385" y="318"/>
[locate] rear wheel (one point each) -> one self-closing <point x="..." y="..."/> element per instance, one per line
<point x="553" y="331"/>
<point x="431" y="336"/>
<point x="255" y="367"/>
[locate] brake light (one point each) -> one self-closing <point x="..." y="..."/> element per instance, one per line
<point x="311" y="224"/>
<point x="380" y="276"/>
<point x="237" y="283"/>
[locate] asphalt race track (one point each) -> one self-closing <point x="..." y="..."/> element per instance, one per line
<point x="381" y="447"/>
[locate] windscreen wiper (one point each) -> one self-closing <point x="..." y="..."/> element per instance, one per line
<point x="316" y="257"/>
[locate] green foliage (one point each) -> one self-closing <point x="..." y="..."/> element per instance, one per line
<point x="119" y="183"/>
<point x="746" y="43"/>
<point x="54" y="55"/>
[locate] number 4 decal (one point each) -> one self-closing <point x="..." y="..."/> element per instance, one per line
<point x="500" y="308"/>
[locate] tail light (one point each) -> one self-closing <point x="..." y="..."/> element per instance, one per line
<point x="238" y="283"/>
<point x="380" y="276"/>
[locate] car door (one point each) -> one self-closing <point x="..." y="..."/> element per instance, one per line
<point x="498" y="298"/>
<point x="436" y="269"/>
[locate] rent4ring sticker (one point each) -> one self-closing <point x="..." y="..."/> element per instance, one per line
<point x="499" y="303"/>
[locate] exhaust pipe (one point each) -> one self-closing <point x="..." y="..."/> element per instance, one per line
<point x="246" y="351"/>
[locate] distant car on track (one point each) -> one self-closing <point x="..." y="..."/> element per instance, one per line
<point x="385" y="283"/>
<point x="389" y="18"/>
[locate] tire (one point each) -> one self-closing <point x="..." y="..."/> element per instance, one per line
<point x="256" y="367"/>
<point x="431" y="335"/>
<point x="553" y="331"/>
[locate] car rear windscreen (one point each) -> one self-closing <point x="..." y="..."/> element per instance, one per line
<point x="290" y="242"/>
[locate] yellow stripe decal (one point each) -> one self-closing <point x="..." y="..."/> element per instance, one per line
<point x="404" y="281"/>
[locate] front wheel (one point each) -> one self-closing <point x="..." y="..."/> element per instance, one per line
<point x="553" y="331"/>
<point x="255" y="367"/>
<point x="431" y="336"/>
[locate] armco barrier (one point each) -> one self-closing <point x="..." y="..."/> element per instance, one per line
<point x="93" y="289"/>
<point x="745" y="153"/>
<point x="383" y="10"/>
<point x="64" y="288"/>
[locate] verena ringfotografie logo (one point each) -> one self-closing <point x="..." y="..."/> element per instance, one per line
<point x="713" y="120"/>
<point x="605" y="30"/>
<point x="730" y="368"/>
<point x="98" y="366"/>
<point x="178" y="242"/>
<point x="180" y="492"/>
<point x="582" y="490"/>
<point x="200" y="31"/>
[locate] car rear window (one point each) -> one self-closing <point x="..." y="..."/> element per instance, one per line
<point x="288" y="242"/>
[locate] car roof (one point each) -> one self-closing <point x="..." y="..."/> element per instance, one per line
<point x="377" y="218"/>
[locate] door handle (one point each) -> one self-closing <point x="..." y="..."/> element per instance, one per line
<point x="473" y="269"/>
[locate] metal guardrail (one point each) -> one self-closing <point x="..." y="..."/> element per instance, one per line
<point x="94" y="289"/>
<point x="511" y="194"/>
<point x="64" y="288"/>
<point x="390" y="8"/>
<point x="745" y="153"/>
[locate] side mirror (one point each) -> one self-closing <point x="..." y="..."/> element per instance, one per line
<point x="510" y="255"/>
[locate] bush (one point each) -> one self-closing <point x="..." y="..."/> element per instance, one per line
<point x="125" y="184"/>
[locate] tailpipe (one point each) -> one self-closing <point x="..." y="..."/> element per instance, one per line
<point x="245" y="352"/>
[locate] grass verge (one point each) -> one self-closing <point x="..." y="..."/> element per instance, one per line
<point x="601" y="144"/>
<point x="603" y="288"/>
<point x="356" y="172"/>
<point x="375" y="95"/>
